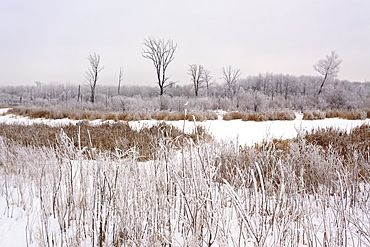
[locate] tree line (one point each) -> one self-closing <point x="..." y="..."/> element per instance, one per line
<point x="161" y="53"/>
<point x="265" y="90"/>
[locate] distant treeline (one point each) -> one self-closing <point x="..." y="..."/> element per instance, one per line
<point x="256" y="93"/>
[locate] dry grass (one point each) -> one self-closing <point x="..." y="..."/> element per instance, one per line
<point x="177" y="116"/>
<point x="233" y="115"/>
<point x="168" y="116"/>
<point x="105" y="137"/>
<point x="201" y="116"/>
<point x="313" y="115"/>
<point x="282" y="188"/>
<point x="269" y="116"/>
<point x="84" y="114"/>
<point x="350" y="115"/>
<point x="260" y="116"/>
<point x="357" y="140"/>
<point x="57" y="113"/>
<point x="133" y="116"/>
<point x="357" y="114"/>
<point x="320" y="153"/>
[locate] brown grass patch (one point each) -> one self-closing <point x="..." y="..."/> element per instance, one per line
<point x="201" y="116"/>
<point x="311" y="161"/>
<point x="84" y="114"/>
<point x="269" y="116"/>
<point x="233" y="115"/>
<point x="105" y="137"/>
<point x="345" y="114"/>
<point x="313" y="115"/>
<point x="178" y="116"/>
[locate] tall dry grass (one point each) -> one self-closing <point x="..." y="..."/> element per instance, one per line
<point x="345" y="114"/>
<point x="313" y="115"/>
<point x="306" y="191"/>
<point x="357" y="114"/>
<point x="107" y="137"/>
<point x="87" y="114"/>
<point x="260" y="116"/>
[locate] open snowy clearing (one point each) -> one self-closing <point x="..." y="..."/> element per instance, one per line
<point x="238" y="131"/>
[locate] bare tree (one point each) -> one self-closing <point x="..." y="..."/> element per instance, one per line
<point x="92" y="74"/>
<point x="230" y="77"/>
<point x="328" y="67"/>
<point x="161" y="53"/>
<point x="120" y="77"/>
<point x="197" y="76"/>
<point x="207" y="79"/>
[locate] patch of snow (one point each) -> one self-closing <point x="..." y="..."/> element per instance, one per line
<point x="12" y="225"/>
<point x="4" y="110"/>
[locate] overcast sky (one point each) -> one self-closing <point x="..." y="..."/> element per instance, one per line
<point x="49" y="41"/>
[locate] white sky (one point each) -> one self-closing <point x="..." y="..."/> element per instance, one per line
<point x="49" y="41"/>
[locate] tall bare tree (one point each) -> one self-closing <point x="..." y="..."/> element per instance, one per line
<point x="120" y="78"/>
<point x="161" y="53"/>
<point x="328" y="67"/>
<point x="92" y="74"/>
<point x="207" y="78"/>
<point x="196" y="73"/>
<point x="231" y="77"/>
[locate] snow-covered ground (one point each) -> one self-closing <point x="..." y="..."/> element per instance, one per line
<point x="12" y="225"/>
<point x="251" y="132"/>
<point x="242" y="132"/>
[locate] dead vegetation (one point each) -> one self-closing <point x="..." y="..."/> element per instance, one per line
<point x="87" y="114"/>
<point x="346" y="114"/>
<point x="202" y="195"/>
<point x="260" y="116"/>
<point x="356" y="114"/>
<point x="313" y="115"/>
<point x="317" y="154"/>
<point x="107" y="137"/>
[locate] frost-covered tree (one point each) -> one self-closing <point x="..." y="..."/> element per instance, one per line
<point x="196" y="73"/>
<point x="328" y="67"/>
<point x="161" y="53"/>
<point x="231" y="76"/>
<point x="92" y="74"/>
<point x="208" y="80"/>
<point x="120" y="78"/>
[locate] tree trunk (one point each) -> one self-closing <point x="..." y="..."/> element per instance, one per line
<point x="79" y="93"/>
<point x="322" y="84"/>
<point x="92" y="98"/>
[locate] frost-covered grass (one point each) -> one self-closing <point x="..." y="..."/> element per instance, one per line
<point x="76" y="113"/>
<point x="260" y="116"/>
<point x="355" y="114"/>
<point x="312" y="190"/>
